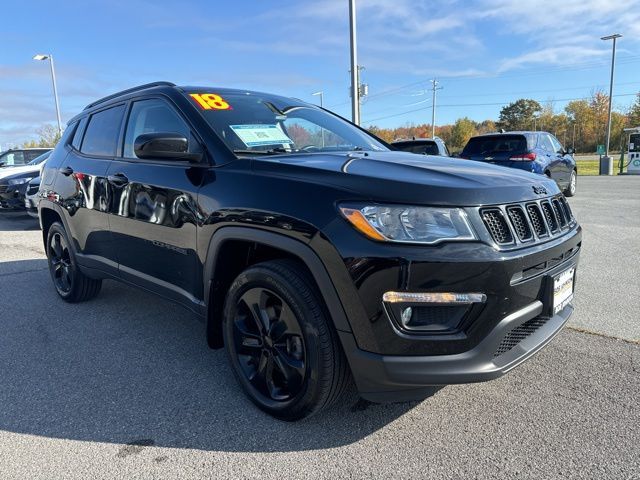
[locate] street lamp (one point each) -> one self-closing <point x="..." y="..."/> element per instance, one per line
<point x="613" y="37"/>
<point x="49" y="57"/>
<point x="320" y="93"/>
<point x="355" y="77"/>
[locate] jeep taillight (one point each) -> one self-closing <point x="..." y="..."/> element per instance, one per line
<point x="527" y="157"/>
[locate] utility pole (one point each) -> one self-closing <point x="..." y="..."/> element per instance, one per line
<point x="613" y="37"/>
<point x="574" y="136"/>
<point x="434" y="87"/>
<point x="355" y="82"/>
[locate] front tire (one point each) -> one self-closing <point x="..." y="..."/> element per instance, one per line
<point x="573" y="183"/>
<point x="280" y="343"/>
<point x="70" y="283"/>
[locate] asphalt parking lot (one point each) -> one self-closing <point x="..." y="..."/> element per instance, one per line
<point x="125" y="387"/>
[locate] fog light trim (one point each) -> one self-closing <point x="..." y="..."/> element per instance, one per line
<point x="434" y="297"/>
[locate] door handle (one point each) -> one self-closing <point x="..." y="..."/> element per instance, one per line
<point x="66" y="171"/>
<point x="118" y="180"/>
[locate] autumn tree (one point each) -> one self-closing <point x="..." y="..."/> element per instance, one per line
<point x="519" y="115"/>
<point x="49" y="136"/>
<point x="462" y="131"/>
<point x="634" y="113"/>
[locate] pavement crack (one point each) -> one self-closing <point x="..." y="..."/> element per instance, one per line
<point x="23" y="271"/>
<point x="604" y="335"/>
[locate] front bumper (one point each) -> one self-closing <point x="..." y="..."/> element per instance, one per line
<point x="384" y="378"/>
<point x="12" y="196"/>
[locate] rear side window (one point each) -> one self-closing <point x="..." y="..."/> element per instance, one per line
<point x="495" y="144"/>
<point x="428" y="148"/>
<point x="101" y="137"/>
<point x="32" y="154"/>
<point x="77" y="136"/>
<point x="152" y="116"/>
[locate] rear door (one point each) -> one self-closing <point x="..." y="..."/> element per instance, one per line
<point x="81" y="184"/>
<point x="153" y="207"/>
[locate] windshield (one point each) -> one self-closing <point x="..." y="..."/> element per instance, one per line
<point x="495" y="144"/>
<point x="38" y="160"/>
<point x="253" y="123"/>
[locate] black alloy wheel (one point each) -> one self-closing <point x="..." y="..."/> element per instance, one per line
<point x="282" y="345"/>
<point x="269" y="345"/>
<point x="60" y="263"/>
<point x="70" y="283"/>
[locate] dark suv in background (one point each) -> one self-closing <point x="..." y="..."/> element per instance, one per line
<point x="425" y="146"/>
<point x="537" y="152"/>
<point x="312" y="252"/>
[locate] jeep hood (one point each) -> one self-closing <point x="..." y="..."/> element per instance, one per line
<point x="401" y="177"/>
<point x="20" y="171"/>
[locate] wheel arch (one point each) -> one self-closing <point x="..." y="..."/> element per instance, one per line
<point x="233" y="249"/>
<point x="48" y="216"/>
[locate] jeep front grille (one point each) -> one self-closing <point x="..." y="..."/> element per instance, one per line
<point x="497" y="226"/>
<point x="519" y="223"/>
<point x="529" y="222"/>
<point x="549" y="216"/>
<point x="535" y="216"/>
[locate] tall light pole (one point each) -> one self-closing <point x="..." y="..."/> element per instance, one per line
<point x="355" y="82"/>
<point x="321" y="94"/>
<point x="49" y="57"/>
<point x="613" y="37"/>
<point x="434" y="87"/>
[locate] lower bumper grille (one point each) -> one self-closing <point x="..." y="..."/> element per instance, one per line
<point x="515" y="336"/>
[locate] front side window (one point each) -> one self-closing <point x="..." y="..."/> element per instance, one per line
<point x="250" y="122"/>
<point x="152" y="116"/>
<point x="545" y="143"/>
<point x="101" y="137"/>
<point x="10" y="159"/>
<point x="557" y="146"/>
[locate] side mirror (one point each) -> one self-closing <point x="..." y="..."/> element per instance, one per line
<point x="165" y="145"/>
<point x="569" y="151"/>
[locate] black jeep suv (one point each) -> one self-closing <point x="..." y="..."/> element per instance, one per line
<point x="313" y="253"/>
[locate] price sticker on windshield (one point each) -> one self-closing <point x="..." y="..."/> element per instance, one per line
<point x="210" y="101"/>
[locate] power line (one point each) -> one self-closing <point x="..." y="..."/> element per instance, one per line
<point x="487" y="105"/>
<point x="576" y="66"/>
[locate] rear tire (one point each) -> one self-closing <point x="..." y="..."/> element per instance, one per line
<point x="70" y="283"/>
<point x="283" y="349"/>
<point x="573" y="183"/>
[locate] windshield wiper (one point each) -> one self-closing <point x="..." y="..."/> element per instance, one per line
<point x="273" y="151"/>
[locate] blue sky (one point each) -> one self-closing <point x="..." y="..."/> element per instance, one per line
<point x="484" y="53"/>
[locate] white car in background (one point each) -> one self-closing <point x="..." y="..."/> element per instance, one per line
<point x="14" y="181"/>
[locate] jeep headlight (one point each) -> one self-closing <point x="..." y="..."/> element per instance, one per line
<point x="19" y="181"/>
<point x="407" y="224"/>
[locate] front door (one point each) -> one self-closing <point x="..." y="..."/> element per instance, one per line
<point x="153" y="208"/>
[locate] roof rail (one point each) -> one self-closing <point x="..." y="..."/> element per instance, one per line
<point x="130" y="90"/>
